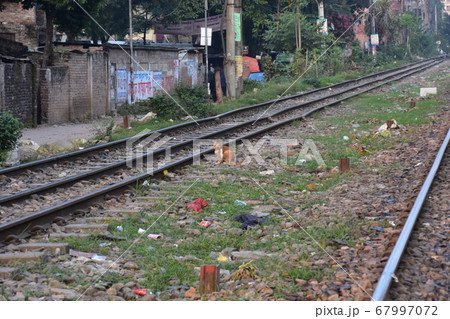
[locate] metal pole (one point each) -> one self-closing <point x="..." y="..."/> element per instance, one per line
<point x="130" y="11"/>
<point x="206" y="47"/>
<point x="394" y="258"/>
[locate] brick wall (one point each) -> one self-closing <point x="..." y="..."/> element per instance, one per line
<point x="79" y="98"/>
<point x="75" y="88"/>
<point x="100" y="84"/>
<point x="18" y="89"/>
<point x="20" y="23"/>
<point x="54" y="97"/>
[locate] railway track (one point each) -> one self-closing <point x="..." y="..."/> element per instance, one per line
<point x="54" y="273"/>
<point x="28" y="208"/>
<point x="422" y="268"/>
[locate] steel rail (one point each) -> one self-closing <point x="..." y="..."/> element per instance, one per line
<point x="97" y="148"/>
<point x="122" y="164"/>
<point x="396" y="254"/>
<point x="22" y="226"/>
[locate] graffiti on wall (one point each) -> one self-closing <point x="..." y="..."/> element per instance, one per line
<point x="122" y="85"/>
<point x="158" y="79"/>
<point x="143" y="88"/>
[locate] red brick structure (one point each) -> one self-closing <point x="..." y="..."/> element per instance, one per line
<point x="24" y="26"/>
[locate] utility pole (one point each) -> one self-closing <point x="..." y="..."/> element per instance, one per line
<point x="372" y="29"/>
<point x="321" y="10"/>
<point x="239" y="47"/>
<point x="206" y="47"/>
<point x="298" y="28"/>
<point x="229" y="59"/>
<point x="435" y="20"/>
<point x="130" y="11"/>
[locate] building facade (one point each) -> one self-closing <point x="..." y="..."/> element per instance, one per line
<point x="24" y="26"/>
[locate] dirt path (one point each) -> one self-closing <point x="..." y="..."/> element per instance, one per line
<point x="63" y="134"/>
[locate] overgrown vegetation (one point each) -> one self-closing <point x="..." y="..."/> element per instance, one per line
<point x="193" y="100"/>
<point x="10" y="133"/>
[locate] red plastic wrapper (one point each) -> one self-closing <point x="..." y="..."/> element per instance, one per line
<point x="197" y="205"/>
<point x="205" y="224"/>
<point x="142" y="292"/>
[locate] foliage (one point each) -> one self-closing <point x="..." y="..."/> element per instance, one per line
<point x="250" y="85"/>
<point x="342" y="26"/>
<point x="194" y="100"/>
<point x="10" y="132"/>
<point x="160" y="104"/>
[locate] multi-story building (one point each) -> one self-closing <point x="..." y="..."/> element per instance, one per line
<point x="24" y="26"/>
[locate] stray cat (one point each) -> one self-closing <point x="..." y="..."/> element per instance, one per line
<point x="225" y="153"/>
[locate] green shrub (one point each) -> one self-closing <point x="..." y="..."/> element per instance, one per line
<point x="315" y="82"/>
<point x="250" y="85"/>
<point x="10" y="133"/>
<point x="130" y="109"/>
<point x="163" y="105"/>
<point x="193" y="99"/>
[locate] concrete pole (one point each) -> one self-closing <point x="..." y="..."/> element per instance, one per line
<point x="321" y="10"/>
<point x="206" y="47"/>
<point x="229" y="59"/>
<point x="130" y="11"/>
<point x="435" y="20"/>
<point x="239" y="47"/>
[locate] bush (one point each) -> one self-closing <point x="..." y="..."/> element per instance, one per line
<point x="250" y="85"/>
<point x="130" y="109"/>
<point x="194" y="100"/>
<point x="10" y="133"/>
<point x="163" y="105"/>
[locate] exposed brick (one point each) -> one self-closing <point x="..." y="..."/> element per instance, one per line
<point x="24" y="25"/>
<point x="17" y="89"/>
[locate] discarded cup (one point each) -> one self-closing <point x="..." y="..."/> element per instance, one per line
<point x="154" y="236"/>
<point x="119" y="228"/>
<point x="141" y="231"/>
<point x="205" y="224"/>
<point x="240" y="203"/>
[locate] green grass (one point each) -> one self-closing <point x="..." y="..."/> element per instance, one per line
<point x="137" y="127"/>
<point x="156" y="258"/>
